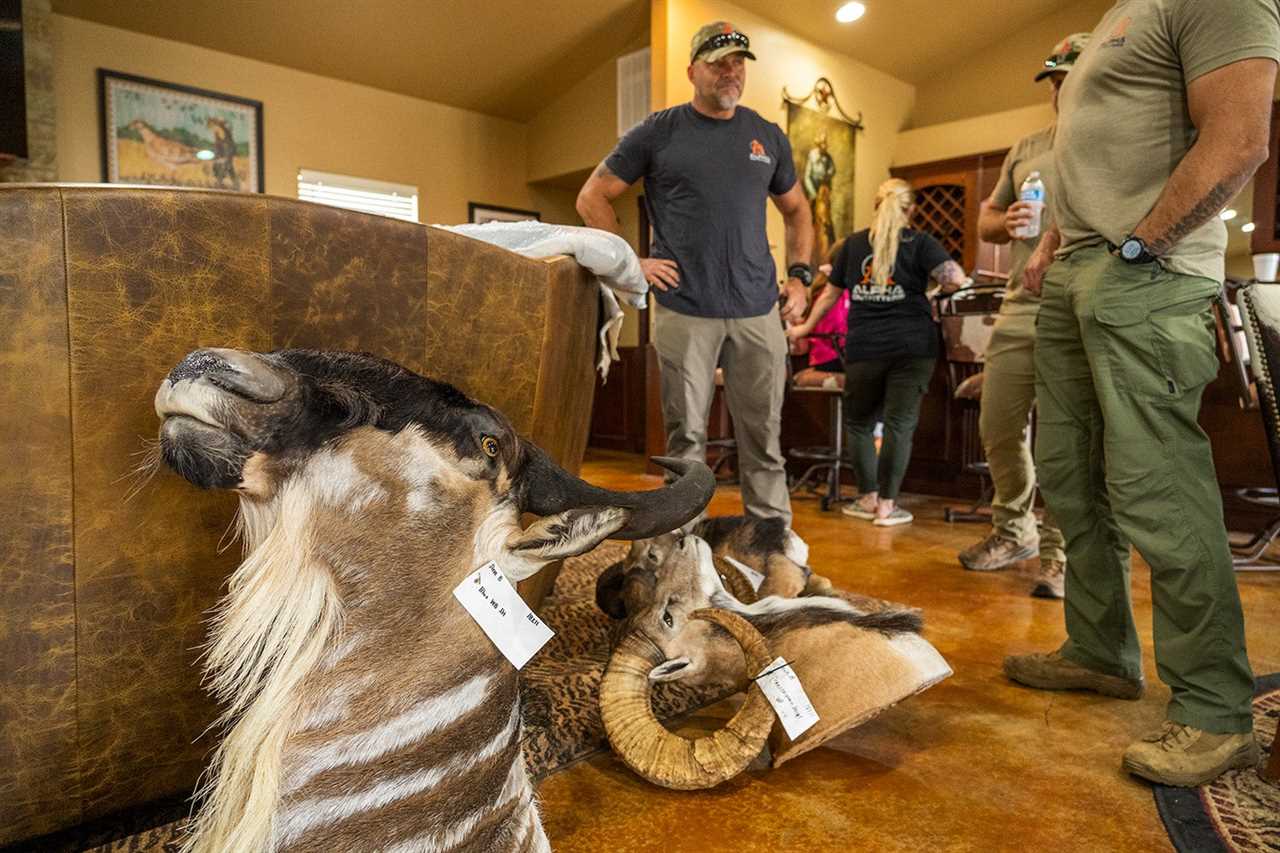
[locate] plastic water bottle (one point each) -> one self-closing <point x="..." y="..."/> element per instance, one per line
<point x="1032" y="192"/>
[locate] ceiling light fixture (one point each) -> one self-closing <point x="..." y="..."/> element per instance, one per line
<point x="1228" y="214"/>
<point x="850" y="12"/>
<point x="1248" y="227"/>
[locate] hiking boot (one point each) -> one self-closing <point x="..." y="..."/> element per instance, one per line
<point x="1185" y="756"/>
<point x="995" y="552"/>
<point x="1054" y="672"/>
<point x="1051" y="581"/>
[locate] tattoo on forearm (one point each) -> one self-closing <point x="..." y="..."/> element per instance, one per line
<point x="1204" y="210"/>
<point x="947" y="272"/>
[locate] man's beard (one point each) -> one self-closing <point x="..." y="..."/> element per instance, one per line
<point x="726" y="100"/>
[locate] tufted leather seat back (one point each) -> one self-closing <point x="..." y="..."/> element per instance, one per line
<point x="102" y="291"/>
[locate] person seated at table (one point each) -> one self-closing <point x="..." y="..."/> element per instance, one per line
<point x="824" y="342"/>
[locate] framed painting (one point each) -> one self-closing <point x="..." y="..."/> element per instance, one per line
<point x="479" y="213"/>
<point x="162" y="133"/>
<point x="823" y="144"/>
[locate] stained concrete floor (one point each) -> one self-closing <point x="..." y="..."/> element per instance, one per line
<point x="974" y="764"/>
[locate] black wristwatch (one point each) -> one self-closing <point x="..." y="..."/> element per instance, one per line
<point x="802" y="272"/>
<point x="1133" y="250"/>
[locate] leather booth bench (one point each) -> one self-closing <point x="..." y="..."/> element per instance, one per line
<point x="104" y="289"/>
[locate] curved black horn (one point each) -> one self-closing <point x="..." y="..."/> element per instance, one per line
<point x="548" y="489"/>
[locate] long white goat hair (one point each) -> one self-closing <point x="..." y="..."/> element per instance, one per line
<point x="270" y="630"/>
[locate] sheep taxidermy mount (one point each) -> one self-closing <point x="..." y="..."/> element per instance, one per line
<point x="364" y="708"/>
<point x="854" y="661"/>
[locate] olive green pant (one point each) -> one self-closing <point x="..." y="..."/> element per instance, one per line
<point x="1122" y="356"/>
<point x="888" y="389"/>
<point x="1008" y="393"/>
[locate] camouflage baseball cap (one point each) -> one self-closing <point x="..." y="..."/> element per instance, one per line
<point x="1064" y="55"/>
<point x="718" y="40"/>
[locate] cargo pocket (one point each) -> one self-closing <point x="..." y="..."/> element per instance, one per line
<point x="1184" y="336"/>
<point x="1160" y="353"/>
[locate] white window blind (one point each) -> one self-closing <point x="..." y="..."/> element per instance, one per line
<point x="386" y="199"/>
<point x="633" y="89"/>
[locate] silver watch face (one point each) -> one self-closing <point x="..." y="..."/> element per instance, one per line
<point x="1130" y="250"/>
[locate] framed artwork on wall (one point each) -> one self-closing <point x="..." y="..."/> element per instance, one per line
<point x="823" y="145"/>
<point x="478" y="213"/>
<point x="154" y="132"/>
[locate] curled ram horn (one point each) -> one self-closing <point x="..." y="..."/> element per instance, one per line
<point x="661" y="756"/>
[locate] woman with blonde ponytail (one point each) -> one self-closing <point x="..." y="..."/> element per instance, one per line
<point x="892" y="343"/>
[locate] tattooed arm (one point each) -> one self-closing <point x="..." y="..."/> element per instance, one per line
<point x="1231" y="109"/>
<point x="595" y="206"/>
<point x="950" y="275"/>
<point x="595" y="199"/>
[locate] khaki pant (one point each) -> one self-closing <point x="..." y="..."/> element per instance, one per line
<point x="1008" y="393"/>
<point x="1122" y="356"/>
<point x="753" y="353"/>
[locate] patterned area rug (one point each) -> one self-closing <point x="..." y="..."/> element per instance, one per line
<point x="559" y="690"/>
<point x="1238" y="812"/>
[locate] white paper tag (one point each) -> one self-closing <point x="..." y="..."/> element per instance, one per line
<point x="502" y="614"/>
<point x="782" y="688"/>
<point x="753" y="577"/>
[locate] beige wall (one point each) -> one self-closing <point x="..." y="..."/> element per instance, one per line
<point x="453" y="156"/>
<point x="969" y="136"/>
<point x="785" y="60"/>
<point x="1002" y="76"/>
<point x="576" y="130"/>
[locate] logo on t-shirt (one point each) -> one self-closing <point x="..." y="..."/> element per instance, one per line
<point x="1118" y="35"/>
<point x="869" y="291"/>
<point x="758" y="154"/>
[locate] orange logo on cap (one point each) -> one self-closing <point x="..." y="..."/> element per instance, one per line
<point x="726" y="29"/>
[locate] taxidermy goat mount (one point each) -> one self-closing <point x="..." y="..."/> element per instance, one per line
<point x="364" y="708"/>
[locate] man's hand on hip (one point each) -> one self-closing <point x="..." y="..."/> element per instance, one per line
<point x="1033" y="273"/>
<point x="797" y="299"/>
<point x="660" y="273"/>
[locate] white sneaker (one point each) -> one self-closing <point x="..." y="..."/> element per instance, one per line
<point x="853" y="510"/>
<point x="893" y="519"/>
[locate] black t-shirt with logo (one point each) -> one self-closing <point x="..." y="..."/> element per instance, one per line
<point x="706" y="184"/>
<point x="893" y="321"/>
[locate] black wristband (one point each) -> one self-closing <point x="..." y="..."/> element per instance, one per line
<point x="802" y="272"/>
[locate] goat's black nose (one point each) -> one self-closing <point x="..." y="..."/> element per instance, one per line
<point x="197" y="364"/>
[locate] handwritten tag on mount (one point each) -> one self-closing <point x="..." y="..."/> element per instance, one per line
<point x="501" y="613"/>
<point x="781" y="686"/>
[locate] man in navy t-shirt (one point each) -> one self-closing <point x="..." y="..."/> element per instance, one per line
<point x="708" y="167"/>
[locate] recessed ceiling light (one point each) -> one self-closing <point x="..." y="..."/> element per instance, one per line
<point x="1248" y="227"/>
<point x="1228" y="214"/>
<point x="850" y="12"/>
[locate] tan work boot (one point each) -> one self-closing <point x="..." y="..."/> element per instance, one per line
<point x="995" y="552"/>
<point x="1054" y="672"/>
<point x="1185" y="756"/>
<point x="1051" y="582"/>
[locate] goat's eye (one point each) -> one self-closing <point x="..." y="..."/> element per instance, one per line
<point x="489" y="445"/>
<point x="666" y="617"/>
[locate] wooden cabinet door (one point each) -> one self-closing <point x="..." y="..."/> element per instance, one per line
<point x="949" y="194"/>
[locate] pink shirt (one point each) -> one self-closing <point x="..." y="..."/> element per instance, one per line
<point x="835" y="322"/>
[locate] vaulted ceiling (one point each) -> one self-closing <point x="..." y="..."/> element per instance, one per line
<point x="506" y="58"/>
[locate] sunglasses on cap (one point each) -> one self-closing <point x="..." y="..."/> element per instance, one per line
<point x="720" y="40"/>
<point x="1069" y="59"/>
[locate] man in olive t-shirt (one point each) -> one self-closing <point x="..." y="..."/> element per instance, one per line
<point x="1164" y="118"/>
<point x="1009" y="370"/>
